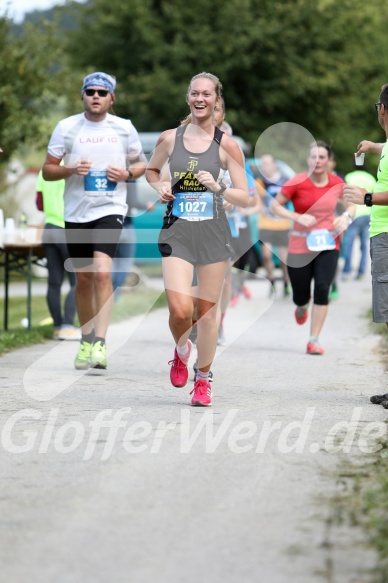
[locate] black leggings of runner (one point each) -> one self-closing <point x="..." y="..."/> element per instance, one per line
<point x="319" y="267"/>
<point x="56" y="255"/>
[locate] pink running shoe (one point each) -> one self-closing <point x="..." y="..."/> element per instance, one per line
<point x="247" y="292"/>
<point x="234" y="302"/>
<point x="314" y="348"/>
<point x="202" y="394"/>
<point x="179" y="373"/>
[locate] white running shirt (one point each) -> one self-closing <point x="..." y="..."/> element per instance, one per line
<point x="111" y="142"/>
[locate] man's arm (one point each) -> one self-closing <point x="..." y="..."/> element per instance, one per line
<point x="52" y="170"/>
<point x="372" y="147"/>
<point x="136" y="167"/>
<point x="356" y="195"/>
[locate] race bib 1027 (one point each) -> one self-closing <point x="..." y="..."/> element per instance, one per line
<point x="193" y="206"/>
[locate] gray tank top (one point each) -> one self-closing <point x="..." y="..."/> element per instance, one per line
<point x="185" y="165"/>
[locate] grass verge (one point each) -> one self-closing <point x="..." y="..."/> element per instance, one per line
<point x="365" y="503"/>
<point x="130" y="304"/>
<point x="375" y="504"/>
<point x="375" y="498"/>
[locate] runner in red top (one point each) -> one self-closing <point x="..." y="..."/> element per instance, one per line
<point x="313" y="248"/>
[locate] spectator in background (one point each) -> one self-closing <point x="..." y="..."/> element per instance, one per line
<point x="246" y="258"/>
<point x="273" y="230"/>
<point x="334" y="289"/>
<point x="49" y="199"/>
<point x="238" y="217"/>
<point x="378" y="231"/>
<point x="125" y="252"/>
<point x="333" y="166"/>
<point x="360" y="225"/>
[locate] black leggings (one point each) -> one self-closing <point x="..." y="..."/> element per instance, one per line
<point x="55" y="247"/>
<point x="305" y="267"/>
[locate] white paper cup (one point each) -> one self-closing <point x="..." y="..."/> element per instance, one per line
<point x="359" y="160"/>
<point x="9" y="230"/>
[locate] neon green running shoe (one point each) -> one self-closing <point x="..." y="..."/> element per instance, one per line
<point x="98" y="356"/>
<point x="334" y="292"/>
<point x="82" y="359"/>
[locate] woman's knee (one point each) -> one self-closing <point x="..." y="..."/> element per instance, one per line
<point x="102" y="278"/>
<point x="207" y="317"/>
<point x="300" y="296"/>
<point x="321" y="294"/>
<point x="84" y="281"/>
<point x="181" y="314"/>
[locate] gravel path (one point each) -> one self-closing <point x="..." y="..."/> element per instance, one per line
<point x="110" y="476"/>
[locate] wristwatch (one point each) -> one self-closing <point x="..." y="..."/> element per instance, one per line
<point x="348" y="216"/>
<point x="368" y="199"/>
<point x="130" y="176"/>
<point x="222" y="189"/>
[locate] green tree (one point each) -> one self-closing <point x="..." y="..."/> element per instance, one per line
<point x="30" y="77"/>
<point x="310" y="63"/>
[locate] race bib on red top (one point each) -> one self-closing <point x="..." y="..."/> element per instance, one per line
<point x="320" y="240"/>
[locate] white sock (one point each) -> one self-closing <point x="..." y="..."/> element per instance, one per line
<point x="183" y="350"/>
<point x="202" y="375"/>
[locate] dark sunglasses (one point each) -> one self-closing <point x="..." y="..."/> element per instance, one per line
<point x="377" y="105"/>
<point x="100" y="92"/>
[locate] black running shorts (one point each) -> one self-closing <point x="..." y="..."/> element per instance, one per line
<point x="83" y="239"/>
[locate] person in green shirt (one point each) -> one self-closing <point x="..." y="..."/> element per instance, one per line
<point x="359" y="228"/>
<point x="378" y="230"/>
<point x="49" y="199"/>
